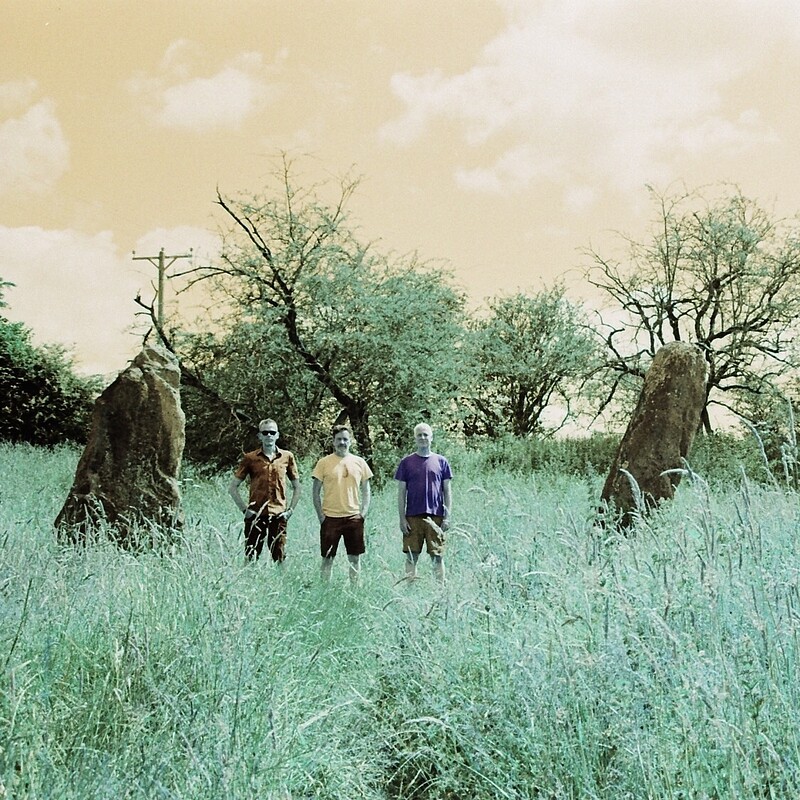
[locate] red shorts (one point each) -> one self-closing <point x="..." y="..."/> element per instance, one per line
<point x="351" y="529"/>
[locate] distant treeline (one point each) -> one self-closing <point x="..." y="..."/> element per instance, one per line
<point x="309" y="324"/>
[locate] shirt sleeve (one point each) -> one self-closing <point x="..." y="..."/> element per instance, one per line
<point x="243" y="470"/>
<point x="447" y="473"/>
<point x="367" y="474"/>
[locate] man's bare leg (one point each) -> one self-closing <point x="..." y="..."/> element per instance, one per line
<point x="411" y="566"/>
<point x="355" y="569"/>
<point x="325" y="569"/>
<point x="438" y="568"/>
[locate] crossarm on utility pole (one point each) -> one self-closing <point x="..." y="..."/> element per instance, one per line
<point x="162" y="268"/>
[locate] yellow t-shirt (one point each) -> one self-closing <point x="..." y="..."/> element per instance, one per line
<point x="341" y="480"/>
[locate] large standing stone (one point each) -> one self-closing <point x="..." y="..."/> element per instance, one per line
<point x="660" y="433"/>
<point x="127" y="476"/>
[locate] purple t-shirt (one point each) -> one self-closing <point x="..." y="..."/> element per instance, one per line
<point x="423" y="477"/>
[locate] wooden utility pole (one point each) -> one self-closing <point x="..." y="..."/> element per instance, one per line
<point x="162" y="266"/>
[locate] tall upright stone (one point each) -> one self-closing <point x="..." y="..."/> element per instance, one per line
<point x="660" y="432"/>
<point x="127" y="477"/>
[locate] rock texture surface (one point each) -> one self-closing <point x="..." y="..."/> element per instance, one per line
<point x="660" y="433"/>
<point x="127" y="477"/>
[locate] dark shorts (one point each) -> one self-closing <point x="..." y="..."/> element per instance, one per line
<point x="264" y="528"/>
<point x="350" y="529"/>
<point x="424" y="529"/>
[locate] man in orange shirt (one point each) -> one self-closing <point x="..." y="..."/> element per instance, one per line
<point x="341" y="494"/>
<point x="266" y="513"/>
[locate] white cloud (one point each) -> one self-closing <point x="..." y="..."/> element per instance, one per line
<point x="223" y="100"/>
<point x="16" y="94"/>
<point x="78" y="290"/>
<point x="624" y="86"/>
<point x="176" y="56"/>
<point x="34" y="152"/>
<point x="72" y="289"/>
<point x="729" y="136"/>
<point x="579" y="199"/>
<point x="203" y="244"/>
<point x="515" y="169"/>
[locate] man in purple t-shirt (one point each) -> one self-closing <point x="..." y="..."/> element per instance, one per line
<point x="424" y="502"/>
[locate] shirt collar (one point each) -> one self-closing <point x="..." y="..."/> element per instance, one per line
<point x="278" y="453"/>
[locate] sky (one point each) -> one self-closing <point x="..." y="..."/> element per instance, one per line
<point x="497" y="138"/>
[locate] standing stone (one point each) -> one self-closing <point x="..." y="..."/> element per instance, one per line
<point x="660" y="433"/>
<point x="127" y="476"/>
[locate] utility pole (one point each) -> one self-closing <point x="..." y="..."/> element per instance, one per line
<point x="162" y="266"/>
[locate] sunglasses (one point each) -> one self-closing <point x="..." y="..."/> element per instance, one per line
<point x="268" y="433"/>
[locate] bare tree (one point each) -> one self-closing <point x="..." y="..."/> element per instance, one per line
<point x="292" y="266"/>
<point x="722" y="274"/>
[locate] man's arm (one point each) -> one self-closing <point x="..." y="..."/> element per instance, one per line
<point x="366" y="497"/>
<point x="233" y="491"/>
<point x="402" y="494"/>
<point x="316" y="496"/>
<point x="447" y="497"/>
<point x="293" y="500"/>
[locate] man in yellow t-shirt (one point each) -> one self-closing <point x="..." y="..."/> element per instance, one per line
<point x="341" y="494"/>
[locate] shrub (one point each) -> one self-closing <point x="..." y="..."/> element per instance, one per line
<point x="44" y="401"/>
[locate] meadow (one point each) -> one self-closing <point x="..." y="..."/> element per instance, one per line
<point x="559" y="660"/>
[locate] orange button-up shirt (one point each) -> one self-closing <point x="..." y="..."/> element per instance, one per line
<point x="268" y="478"/>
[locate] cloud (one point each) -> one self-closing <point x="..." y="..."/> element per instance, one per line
<point x="203" y="244"/>
<point x="78" y="290"/>
<point x="578" y="199"/>
<point x="727" y="136"/>
<point x="624" y="86"/>
<point x="71" y="289"/>
<point x="223" y="100"/>
<point x="34" y="152"/>
<point x="16" y="94"/>
<point x="513" y="170"/>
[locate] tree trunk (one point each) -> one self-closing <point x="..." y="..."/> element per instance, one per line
<point x="359" y="421"/>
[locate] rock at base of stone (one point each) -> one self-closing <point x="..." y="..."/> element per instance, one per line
<point x="660" y="434"/>
<point x="126" y="482"/>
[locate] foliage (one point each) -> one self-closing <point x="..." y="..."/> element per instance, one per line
<point x="774" y="431"/>
<point x="249" y="365"/>
<point x="529" y="353"/>
<point x="719" y="458"/>
<point x="722" y="458"/>
<point x="568" y="456"/>
<point x="352" y="332"/>
<point x="721" y="273"/>
<point x="43" y="400"/>
<point x="557" y="662"/>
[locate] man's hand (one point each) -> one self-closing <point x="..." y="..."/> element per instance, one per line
<point x="404" y="526"/>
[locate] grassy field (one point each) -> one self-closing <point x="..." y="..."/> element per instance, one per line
<point x="558" y="661"/>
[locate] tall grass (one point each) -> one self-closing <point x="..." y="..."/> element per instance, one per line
<point x="559" y="661"/>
